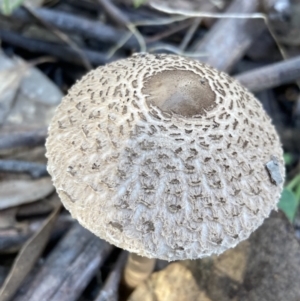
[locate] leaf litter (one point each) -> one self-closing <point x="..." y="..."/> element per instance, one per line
<point x="28" y="256"/>
<point x="17" y="192"/>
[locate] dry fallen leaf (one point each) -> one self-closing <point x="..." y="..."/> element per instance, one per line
<point x="27" y="257"/>
<point x="27" y="96"/>
<point x="8" y="218"/>
<point x="10" y="80"/>
<point x="17" y="192"/>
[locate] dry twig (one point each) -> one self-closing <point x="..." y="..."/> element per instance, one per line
<point x="74" y="24"/>
<point x="191" y="31"/>
<point x="230" y="37"/>
<point x="13" y="238"/>
<point x="63" y="37"/>
<point x="63" y="53"/>
<point x="115" y="14"/>
<point x="169" y="32"/>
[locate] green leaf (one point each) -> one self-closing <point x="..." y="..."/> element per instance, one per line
<point x="8" y="6"/>
<point x="297" y="193"/>
<point x="138" y="3"/>
<point x="288" y="204"/>
<point x="294" y="183"/>
<point x="288" y="158"/>
<point x="5" y="7"/>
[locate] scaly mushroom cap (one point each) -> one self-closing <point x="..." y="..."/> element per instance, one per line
<point x="165" y="157"/>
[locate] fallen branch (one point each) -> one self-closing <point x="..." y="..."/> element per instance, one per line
<point x="114" y="13"/>
<point x="229" y="38"/>
<point x="13" y="238"/>
<point x="68" y="268"/>
<point x="20" y="138"/>
<point x="36" y="170"/>
<point x="206" y="6"/>
<point x="110" y="289"/>
<point x="78" y="25"/>
<point x="62" y="36"/>
<point x="64" y="53"/>
<point x="271" y="76"/>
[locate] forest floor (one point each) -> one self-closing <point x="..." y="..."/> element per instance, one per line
<point x="46" y="46"/>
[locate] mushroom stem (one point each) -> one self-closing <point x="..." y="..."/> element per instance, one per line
<point x="137" y="269"/>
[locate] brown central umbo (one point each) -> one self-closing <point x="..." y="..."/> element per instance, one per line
<point x="181" y="92"/>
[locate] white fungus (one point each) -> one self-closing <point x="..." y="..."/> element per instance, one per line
<point x="165" y="157"/>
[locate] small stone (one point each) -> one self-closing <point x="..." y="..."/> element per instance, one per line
<point x="274" y="171"/>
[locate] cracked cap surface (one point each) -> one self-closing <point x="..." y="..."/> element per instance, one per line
<point x="165" y="157"/>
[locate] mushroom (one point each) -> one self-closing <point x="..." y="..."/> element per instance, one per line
<point x="165" y="157"/>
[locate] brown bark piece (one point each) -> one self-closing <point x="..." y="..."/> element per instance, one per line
<point x="263" y="268"/>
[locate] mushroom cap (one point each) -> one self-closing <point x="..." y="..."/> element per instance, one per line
<point x="165" y="157"/>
